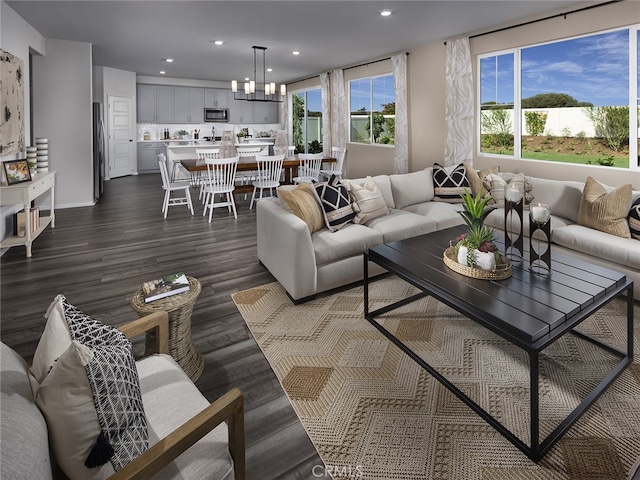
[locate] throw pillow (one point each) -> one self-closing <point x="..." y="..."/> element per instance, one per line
<point x="449" y="183"/>
<point x="304" y="204"/>
<point x="605" y="211"/>
<point x="411" y="188"/>
<point x="476" y="179"/>
<point x="497" y="182"/>
<point x="89" y="394"/>
<point x="634" y="219"/>
<point x="368" y="202"/>
<point x="336" y="203"/>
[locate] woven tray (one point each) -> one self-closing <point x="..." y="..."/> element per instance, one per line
<point x="502" y="271"/>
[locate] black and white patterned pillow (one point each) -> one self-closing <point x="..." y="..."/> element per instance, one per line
<point x="634" y="219"/>
<point x="336" y="203"/>
<point x="115" y="386"/>
<point x="449" y="183"/>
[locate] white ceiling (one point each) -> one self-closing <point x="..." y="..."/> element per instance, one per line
<point x="137" y="35"/>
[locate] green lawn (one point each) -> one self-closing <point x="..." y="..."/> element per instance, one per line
<point x="619" y="161"/>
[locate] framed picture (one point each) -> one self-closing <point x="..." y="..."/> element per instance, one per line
<point x="16" y="171"/>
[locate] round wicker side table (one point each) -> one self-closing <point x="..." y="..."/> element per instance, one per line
<point x="179" y="308"/>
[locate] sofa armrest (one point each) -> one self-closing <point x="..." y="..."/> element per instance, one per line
<point x="159" y="321"/>
<point x="283" y="241"/>
<point x="229" y="406"/>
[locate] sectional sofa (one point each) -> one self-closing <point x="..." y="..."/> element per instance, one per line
<point x="308" y="263"/>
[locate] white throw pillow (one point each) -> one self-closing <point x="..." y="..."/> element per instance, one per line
<point x="368" y="202"/>
<point x="85" y="381"/>
<point x="411" y="188"/>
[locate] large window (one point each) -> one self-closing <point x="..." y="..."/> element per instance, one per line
<point x="372" y="102"/>
<point x="307" y="120"/>
<point x="566" y="101"/>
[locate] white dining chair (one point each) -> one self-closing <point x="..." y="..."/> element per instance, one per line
<point x="170" y="187"/>
<point x="247" y="176"/>
<point x="221" y="174"/>
<point x="339" y="154"/>
<point x="309" y="169"/>
<point x="269" y="173"/>
<point x="200" y="178"/>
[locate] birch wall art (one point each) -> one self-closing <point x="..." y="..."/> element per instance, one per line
<point x="11" y="104"/>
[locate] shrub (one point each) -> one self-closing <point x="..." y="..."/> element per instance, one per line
<point x="611" y="124"/>
<point x="536" y="122"/>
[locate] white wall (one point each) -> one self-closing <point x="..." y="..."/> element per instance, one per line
<point x="62" y="111"/>
<point x="19" y="38"/>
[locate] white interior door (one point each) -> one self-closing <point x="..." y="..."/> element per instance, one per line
<point x="122" y="159"/>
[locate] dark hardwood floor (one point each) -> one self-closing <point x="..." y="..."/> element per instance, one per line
<point x="99" y="256"/>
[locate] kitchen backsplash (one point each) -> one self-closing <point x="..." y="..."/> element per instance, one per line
<point x="156" y="130"/>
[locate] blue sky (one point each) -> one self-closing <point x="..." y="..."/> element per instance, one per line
<point x="591" y="69"/>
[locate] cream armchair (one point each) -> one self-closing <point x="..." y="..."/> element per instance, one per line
<point x="188" y="436"/>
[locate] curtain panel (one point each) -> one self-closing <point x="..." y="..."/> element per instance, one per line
<point x="459" y="107"/>
<point x="284" y="117"/>
<point x="401" y="153"/>
<point x="326" y="113"/>
<point x="339" y="114"/>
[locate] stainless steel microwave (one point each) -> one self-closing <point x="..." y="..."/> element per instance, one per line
<point x="216" y="114"/>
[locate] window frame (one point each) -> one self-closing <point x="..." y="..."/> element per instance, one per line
<point x="634" y="102"/>
<point x="371" y="143"/>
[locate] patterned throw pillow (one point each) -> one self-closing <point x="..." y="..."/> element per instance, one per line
<point x="476" y="179"/>
<point x="86" y="383"/>
<point x="449" y="183"/>
<point x="605" y="211"/>
<point x="497" y="181"/>
<point x="336" y="203"/>
<point x="634" y="219"/>
<point x="303" y="202"/>
<point x="368" y="202"/>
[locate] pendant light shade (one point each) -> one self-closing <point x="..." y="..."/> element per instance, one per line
<point x="266" y="92"/>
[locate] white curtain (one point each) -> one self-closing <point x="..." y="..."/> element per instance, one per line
<point x="401" y="155"/>
<point x="338" y="110"/>
<point x="459" y="104"/>
<point x="326" y="114"/>
<point x="284" y="117"/>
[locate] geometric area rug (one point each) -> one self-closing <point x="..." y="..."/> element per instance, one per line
<point x="373" y="413"/>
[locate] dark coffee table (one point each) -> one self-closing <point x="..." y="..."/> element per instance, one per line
<point x="528" y="310"/>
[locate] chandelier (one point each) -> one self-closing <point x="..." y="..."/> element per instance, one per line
<point x="252" y="92"/>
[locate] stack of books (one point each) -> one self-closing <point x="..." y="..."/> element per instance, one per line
<point x="165" y="287"/>
<point x="20" y="221"/>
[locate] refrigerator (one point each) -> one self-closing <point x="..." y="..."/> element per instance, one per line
<point x="98" y="151"/>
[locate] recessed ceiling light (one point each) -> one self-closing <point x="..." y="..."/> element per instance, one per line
<point x="169" y="60"/>
<point x="295" y="52"/>
<point x="219" y="42"/>
<point x="385" y="13"/>
<point x="269" y="69"/>
<point x="162" y="72"/>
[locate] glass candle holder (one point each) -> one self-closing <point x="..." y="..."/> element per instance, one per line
<point x="513" y="221"/>
<point x="540" y="239"/>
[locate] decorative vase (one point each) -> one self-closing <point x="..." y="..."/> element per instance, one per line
<point x="484" y="260"/>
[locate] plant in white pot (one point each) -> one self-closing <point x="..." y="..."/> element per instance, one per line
<point x="476" y="247"/>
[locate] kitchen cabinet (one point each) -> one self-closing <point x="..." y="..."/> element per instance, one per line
<point x="164" y="104"/>
<point x="148" y="156"/>
<point x="216" y="97"/>
<point x="241" y="111"/>
<point x="146" y="104"/>
<point x="188" y="103"/>
<point x="265" y="112"/>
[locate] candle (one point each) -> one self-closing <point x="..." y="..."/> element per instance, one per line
<point x="512" y="194"/>
<point x="540" y="213"/>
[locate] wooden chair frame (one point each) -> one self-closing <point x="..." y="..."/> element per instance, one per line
<point x="229" y="407"/>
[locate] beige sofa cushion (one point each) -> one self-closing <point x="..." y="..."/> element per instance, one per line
<point x="400" y="224"/>
<point x="605" y="211"/>
<point x="368" y="202"/>
<point x="411" y="188"/>
<point x="599" y="244"/>
<point x="351" y="240"/>
<point x="444" y="214"/>
<point x="170" y="399"/>
<point x="563" y="197"/>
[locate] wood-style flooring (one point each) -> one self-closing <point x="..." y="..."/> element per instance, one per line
<point x="99" y="256"/>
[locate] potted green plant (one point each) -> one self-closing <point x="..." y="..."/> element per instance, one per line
<point x="240" y="136"/>
<point x="183" y="134"/>
<point x="476" y="247"/>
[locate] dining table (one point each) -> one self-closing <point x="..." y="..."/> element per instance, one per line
<point x="289" y="166"/>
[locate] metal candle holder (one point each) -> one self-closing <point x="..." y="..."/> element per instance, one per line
<point x="540" y="239"/>
<point x="513" y="236"/>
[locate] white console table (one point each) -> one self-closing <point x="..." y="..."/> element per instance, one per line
<point x="24" y="193"/>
